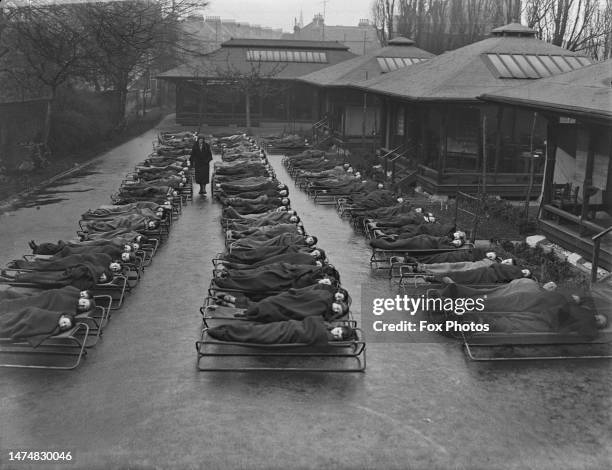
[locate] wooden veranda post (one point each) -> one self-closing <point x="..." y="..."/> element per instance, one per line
<point x="484" y="157"/>
<point x="498" y="141"/>
<point x="531" y="167"/>
<point x="588" y="177"/>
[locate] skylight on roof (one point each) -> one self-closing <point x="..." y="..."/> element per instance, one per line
<point x="388" y="64"/>
<point x="286" y="55"/>
<point x="533" y="65"/>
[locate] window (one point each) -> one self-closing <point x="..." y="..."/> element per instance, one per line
<point x="533" y="65"/>
<point x="389" y="64"/>
<point x="285" y="55"/>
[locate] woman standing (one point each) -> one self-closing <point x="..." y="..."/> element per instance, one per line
<point x="201" y="157"/>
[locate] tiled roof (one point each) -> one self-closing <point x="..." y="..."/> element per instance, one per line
<point x="583" y="92"/>
<point x="461" y="74"/>
<point x="366" y="66"/>
<point x="234" y="56"/>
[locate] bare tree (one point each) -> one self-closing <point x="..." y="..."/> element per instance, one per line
<point x="127" y="38"/>
<point x="383" y="13"/>
<point x="43" y="44"/>
<point x="577" y="25"/>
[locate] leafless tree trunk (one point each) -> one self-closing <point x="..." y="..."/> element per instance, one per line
<point x="383" y="12"/>
<point x="577" y="25"/>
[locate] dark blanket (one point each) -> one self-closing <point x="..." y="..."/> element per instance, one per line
<point x="70" y="251"/>
<point x="226" y="198"/>
<point x="113" y="210"/>
<point x="99" y="262"/>
<point x="521" y="306"/>
<point x="454" y="256"/>
<point x="283" y="239"/>
<point x="378" y="198"/>
<point x="279" y="218"/>
<point x="253" y="208"/>
<point x="134" y="222"/>
<point x="60" y="300"/>
<point x="33" y="324"/>
<point x="82" y="276"/>
<point x="436" y="230"/>
<point x="490" y="275"/>
<point x="311" y="331"/>
<point x="273" y="277"/>
<point x="252" y="256"/>
<point x="400" y="220"/>
<point x="295" y="304"/>
<point x="386" y="212"/>
<point x="291" y="258"/>
<point x="266" y="232"/>
<point x="254" y="220"/>
<point x="418" y="242"/>
<point x="257" y="183"/>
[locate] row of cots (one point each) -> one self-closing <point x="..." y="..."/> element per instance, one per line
<point x="275" y="302"/>
<point x="56" y="301"/>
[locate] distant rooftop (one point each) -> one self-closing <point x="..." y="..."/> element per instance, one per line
<point x="284" y="43"/>
<point x="360" y="39"/>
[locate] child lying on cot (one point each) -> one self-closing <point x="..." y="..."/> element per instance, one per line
<point x="412" y="230"/>
<point x="147" y="208"/>
<point x="310" y="258"/>
<point x="282" y="218"/>
<point x="276" y="277"/>
<point x="446" y="268"/>
<point x="492" y="274"/>
<point x="522" y="306"/>
<point x="65" y="299"/>
<point x="101" y="263"/>
<point x="135" y="222"/>
<point x="34" y="317"/>
<point x="248" y="206"/>
<point x="131" y="239"/>
<point x="295" y="304"/>
<point x="266" y="232"/>
<point x="284" y="239"/>
<point x="251" y="256"/>
<point x="311" y="331"/>
<point x="225" y="198"/>
<point x="453" y="256"/>
<point x="252" y="183"/>
<point x="231" y="213"/>
<point x="124" y="253"/>
<point x="420" y="242"/>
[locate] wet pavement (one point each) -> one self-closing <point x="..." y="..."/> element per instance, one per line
<point x="138" y="402"/>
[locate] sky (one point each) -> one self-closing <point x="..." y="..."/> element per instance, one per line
<point x="280" y="13"/>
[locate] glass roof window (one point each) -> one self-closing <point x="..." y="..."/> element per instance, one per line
<point x="285" y="55"/>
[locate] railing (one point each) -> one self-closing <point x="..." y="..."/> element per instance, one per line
<point x="596" y="246"/>
<point x="470" y="205"/>
<point x="392" y="155"/>
<point x="318" y="129"/>
<point x="507" y="177"/>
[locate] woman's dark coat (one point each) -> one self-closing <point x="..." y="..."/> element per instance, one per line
<point x="200" y="159"/>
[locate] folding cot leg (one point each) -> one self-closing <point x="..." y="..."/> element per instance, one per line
<point x="80" y="344"/>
